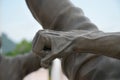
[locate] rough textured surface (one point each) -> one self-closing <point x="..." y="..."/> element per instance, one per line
<point x="62" y="15"/>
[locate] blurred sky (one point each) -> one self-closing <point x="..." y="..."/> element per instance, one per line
<point x="17" y="21"/>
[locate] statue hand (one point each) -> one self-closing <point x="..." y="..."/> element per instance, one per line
<point x="42" y="48"/>
<point x="41" y="42"/>
<point x="49" y="44"/>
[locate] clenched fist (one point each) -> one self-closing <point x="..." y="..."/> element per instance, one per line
<point x="49" y="44"/>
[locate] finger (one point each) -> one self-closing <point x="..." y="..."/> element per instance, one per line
<point x="66" y="51"/>
<point x="47" y="60"/>
<point x="50" y="56"/>
<point x="38" y="44"/>
<point x="35" y="39"/>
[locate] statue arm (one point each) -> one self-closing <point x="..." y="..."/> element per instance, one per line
<point x="51" y="44"/>
<point x="30" y="62"/>
<point x="18" y="67"/>
<point x="107" y="44"/>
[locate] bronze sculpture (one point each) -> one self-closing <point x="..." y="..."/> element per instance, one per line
<point x="16" y="68"/>
<point x="63" y="16"/>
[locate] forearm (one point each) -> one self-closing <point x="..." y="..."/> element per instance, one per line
<point x="31" y="62"/>
<point x="107" y="44"/>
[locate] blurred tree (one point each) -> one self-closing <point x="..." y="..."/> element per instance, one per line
<point x="21" y="48"/>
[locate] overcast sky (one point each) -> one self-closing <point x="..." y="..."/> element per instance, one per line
<point x="18" y="23"/>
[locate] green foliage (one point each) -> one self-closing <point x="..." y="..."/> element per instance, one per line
<point x="21" y="48"/>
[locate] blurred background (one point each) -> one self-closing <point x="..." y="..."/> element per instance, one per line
<point x="18" y="27"/>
